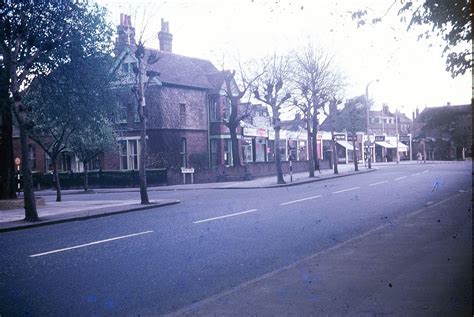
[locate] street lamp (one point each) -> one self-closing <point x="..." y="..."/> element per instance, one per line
<point x="369" y="154"/>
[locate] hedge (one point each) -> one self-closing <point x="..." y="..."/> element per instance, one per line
<point x="100" y="179"/>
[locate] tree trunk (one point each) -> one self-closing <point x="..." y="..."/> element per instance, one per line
<point x="143" y="150"/>
<point x="280" y="179"/>
<point x="235" y="147"/>
<point x="315" y="141"/>
<point x="28" y="194"/>
<point x="56" y="177"/>
<point x="334" y="153"/>
<point x="86" y="177"/>
<point x="354" y="153"/>
<point x="7" y="166"/>
<point x="310" y="149"/>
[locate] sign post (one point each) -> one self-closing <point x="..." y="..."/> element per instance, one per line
<point x="18" y="176"/>
<point x="187" y="170"/>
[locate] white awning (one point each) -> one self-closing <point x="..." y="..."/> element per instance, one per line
<point x="346" y="144"/>
<point x="402" y="147"/>
<point x="386" y="145"/>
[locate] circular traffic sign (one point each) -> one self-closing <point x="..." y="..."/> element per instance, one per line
<point x="17" y="161"/>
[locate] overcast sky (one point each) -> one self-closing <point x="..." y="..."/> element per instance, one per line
<point x="411" y="73"/>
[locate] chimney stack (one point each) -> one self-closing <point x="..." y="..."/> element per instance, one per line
<point x="165" y="37"/>
<point x="125" y="33"/>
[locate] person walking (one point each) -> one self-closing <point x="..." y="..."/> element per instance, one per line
<point x="418" y="157"/>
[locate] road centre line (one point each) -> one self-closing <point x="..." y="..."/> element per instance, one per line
<point x="416" y="174"/>
<point x="91" y="243"/>
<point x="382" y="182"/>
<point x="298" y="200"/>
<point x="226" y="216"/>
<point x="345" y="190"/>
<point x="425" y="171"/>
<point x="399" y="178"/>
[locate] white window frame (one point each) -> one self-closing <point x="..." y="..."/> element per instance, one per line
<point x="132" y="164"/>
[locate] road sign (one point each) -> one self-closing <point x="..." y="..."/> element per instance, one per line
<point x="17" y="161"/>
<point x="371" y="138"/>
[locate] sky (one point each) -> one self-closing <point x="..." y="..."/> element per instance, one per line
<point x="410" y="73"/>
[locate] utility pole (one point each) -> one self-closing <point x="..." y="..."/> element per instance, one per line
<point x="367" y="105"/>
<point x="397" y="135"/>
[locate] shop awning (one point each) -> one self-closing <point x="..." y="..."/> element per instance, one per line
<point x="386" y="145"/>
<point x="402" y="147"/>
<point x="346" y="144"/>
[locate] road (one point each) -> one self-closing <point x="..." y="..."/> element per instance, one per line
<point x="160" y="260"/>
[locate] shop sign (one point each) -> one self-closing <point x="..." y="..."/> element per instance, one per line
<point x="404" y="138"/>
<point x="271" y="134"/>
<point x="339" y="137"/>
<point x="250" y="131"/>
<point x="379" y="138"/>
<point x="262" y="133"/>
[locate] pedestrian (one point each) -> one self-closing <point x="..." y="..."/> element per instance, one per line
<point x="418" y="157"/>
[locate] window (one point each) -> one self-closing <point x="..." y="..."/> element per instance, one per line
<point x="122" y="113"/>
<point x="32" y="156"/>
<point x="215" y="159"/>
<point x="213" y="110"/>
<point x="182" y="114"/>
<point x="227" y="108"/>
<point x="128" y="151"/>
<point x="184" y="153"/>
<point x="228" y="152"/>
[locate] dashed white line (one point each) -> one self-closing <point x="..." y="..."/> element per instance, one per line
<point x="416" y="174"/>
<point x="399" y="178"/>
<point x="424" y="172"/>
<point x="345" y="190"/>
<point x="383" y="182"/>
<point x="91" y="243"/>
<point x="298" y="200"/>
<point x="226" y="216"/>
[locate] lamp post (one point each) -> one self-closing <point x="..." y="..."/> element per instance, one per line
<point x="369" y="150"/>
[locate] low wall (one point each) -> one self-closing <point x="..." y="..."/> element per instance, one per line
<point x="237" y="173"/>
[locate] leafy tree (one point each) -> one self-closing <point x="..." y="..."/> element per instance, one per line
<point x="449" y="19"/>
<point x="353" y="119"/>
<point x="272" y="89"/>
<point x="35" y="38"/>
<point x="68" y="101"/>
<point x="91" y="140"/>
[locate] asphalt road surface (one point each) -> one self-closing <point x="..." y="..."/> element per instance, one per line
<point x="161" y="260"/>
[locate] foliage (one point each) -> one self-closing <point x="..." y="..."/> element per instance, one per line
<point x="74" y="98"/>
<point x="449" y="123"/>
<point x="353" y="117"/>
<point x="449" y="19"/>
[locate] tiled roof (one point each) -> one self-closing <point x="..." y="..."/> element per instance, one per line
<point x="182" y="70"/>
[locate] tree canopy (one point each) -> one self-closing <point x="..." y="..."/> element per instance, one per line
<point x="448" y="19"/>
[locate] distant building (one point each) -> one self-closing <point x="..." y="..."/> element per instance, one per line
<point x="444" y="133"/>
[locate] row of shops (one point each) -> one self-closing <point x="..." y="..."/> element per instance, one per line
<point x="258" y="145"/>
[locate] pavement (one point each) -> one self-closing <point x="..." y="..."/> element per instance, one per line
<point x="58" y="212"/>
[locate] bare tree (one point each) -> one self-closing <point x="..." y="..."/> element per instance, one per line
<point x="316" y="81"/>
<point x="238" y="111"/>
<point x="272" y="88"/>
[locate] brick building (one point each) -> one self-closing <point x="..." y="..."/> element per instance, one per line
<point x="185" y="108"/>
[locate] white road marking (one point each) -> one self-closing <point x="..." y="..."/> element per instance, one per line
<point x="399" y="178"/>
<point x="383" y="182"/>
<point x="298" y="200"/>
<point x="345" y="190"/>
<point x="416" y="174"/>
<point x="424" y="172"/>
<point x="226" y="216"/>
<point x="91" y="243"/>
